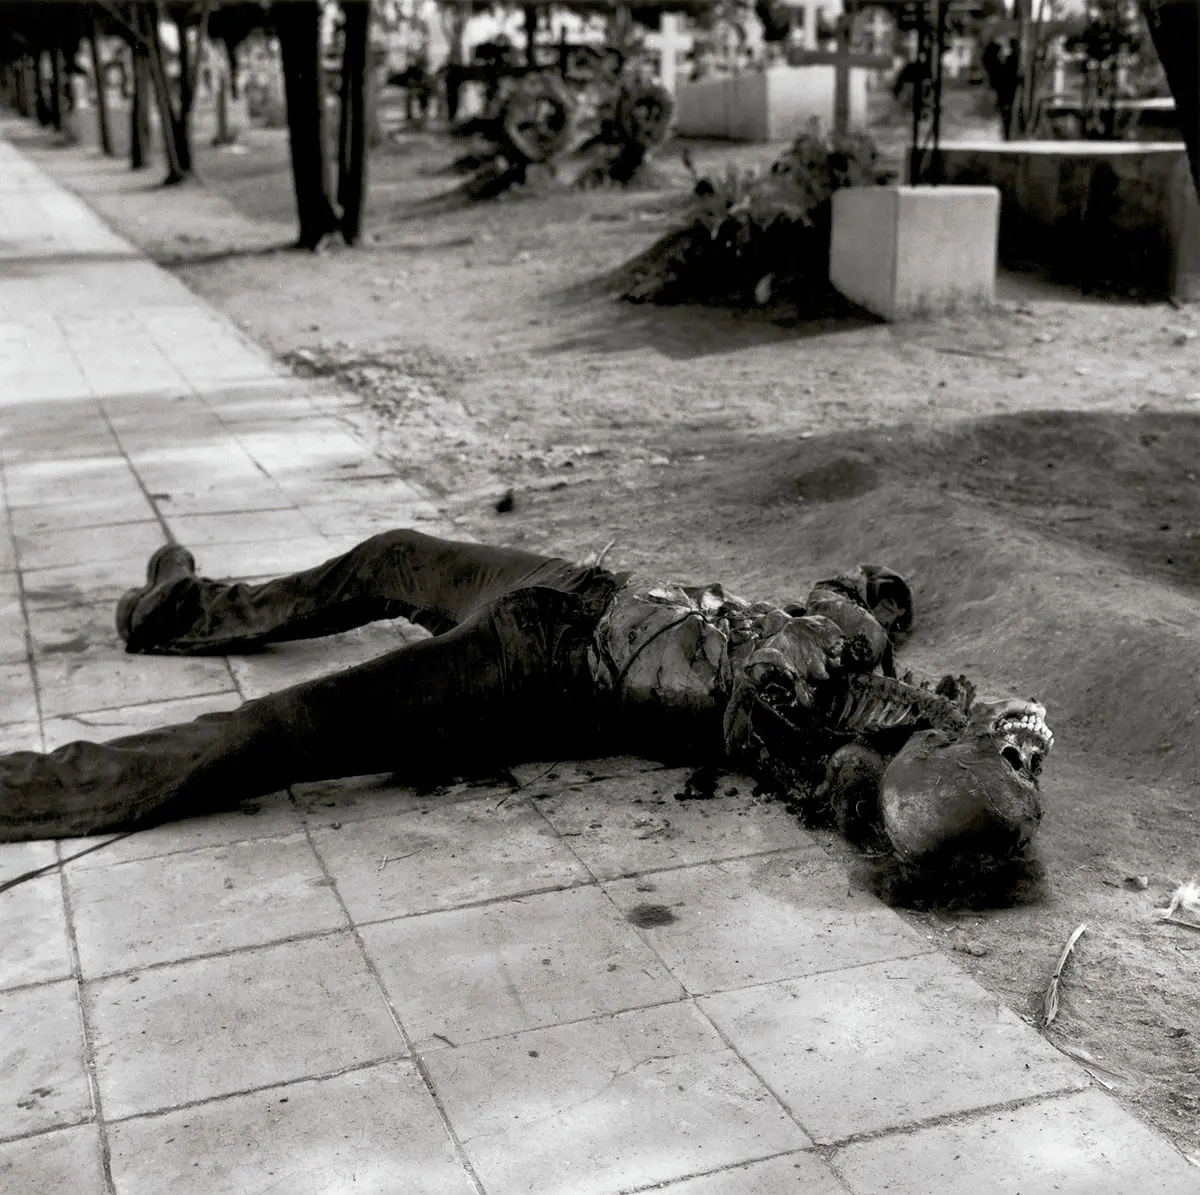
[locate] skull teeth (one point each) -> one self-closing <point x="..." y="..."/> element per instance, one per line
<point x="1031" y="724"/>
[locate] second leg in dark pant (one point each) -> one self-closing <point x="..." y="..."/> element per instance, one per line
<point x="509" y="682"/>
<point x="434" y="582"/>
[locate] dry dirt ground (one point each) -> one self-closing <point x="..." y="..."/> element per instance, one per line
<point x="1032" y="469"/>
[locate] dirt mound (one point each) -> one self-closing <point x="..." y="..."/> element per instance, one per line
<point x="1022" y="536"/>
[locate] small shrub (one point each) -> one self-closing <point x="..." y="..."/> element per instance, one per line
<point x="752" y="236"/>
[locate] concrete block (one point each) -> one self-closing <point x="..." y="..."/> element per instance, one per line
<point x="902" y="251"/>
<point x="1101" y="213"/>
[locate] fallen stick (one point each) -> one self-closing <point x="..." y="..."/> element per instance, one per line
<point x="1179" y="921"/>
<point x="393" y="859"/>
<point x="1050" y="999"/>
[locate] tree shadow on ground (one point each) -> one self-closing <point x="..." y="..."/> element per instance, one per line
<point x="607" y="324"/>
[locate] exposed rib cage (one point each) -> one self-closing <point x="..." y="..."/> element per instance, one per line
<point x="872" y="703"/>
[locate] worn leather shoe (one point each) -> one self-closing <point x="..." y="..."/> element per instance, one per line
<point x="169" y="565"/>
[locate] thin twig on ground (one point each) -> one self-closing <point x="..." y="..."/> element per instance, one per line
<point x="1050" y="999"/>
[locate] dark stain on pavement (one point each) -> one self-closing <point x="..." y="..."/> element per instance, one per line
<point x="648" y="916"/>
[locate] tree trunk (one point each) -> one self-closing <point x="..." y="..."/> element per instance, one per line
<point x="162" y="96"/>
<point x="1175" y="31"/>
<point x="106" y="145"/>
<point x="56" y="90"/>
<point x="41" y="105"/>
<point x="235" y="82"/>
<point x="352" y="141"/>
<point x="24" y="96"/>
<point x="182" y="124"/>
<point x="139" y="110"/>
<point x="222" y="136"/>
<point x="298" y="26"/>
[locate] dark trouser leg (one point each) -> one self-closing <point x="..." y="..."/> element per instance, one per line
<point x="435" y="582"/>
<point x="510" y="682"/>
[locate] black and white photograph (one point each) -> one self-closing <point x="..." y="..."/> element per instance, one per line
<point x="600" y="598"/>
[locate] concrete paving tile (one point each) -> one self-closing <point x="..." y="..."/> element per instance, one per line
<point x="215" y="899"/>
<point x="30" y="522"/>
<point x="33" y="933"/>
<point x="43" y="1082"/>
<point x="16" y="858"/>
<point x="21" y="736"/>
<point x="358" y="798"/>
<point x="327" y="445"/>
<point x="12" y="628"/>
<point x="51" y="1163"/>
<point x="90" y="545"/>
<point x="76" y="685"/>
<point x="886" y="1045"/>
<point x="70" y="480"/>
<point x="443" y="855"/>
<point x="255" y="818"/>
<point x="518" y="964"/>
<point x="350" y="519"/>
<point x="280" y="398"/>
<point x="630" y="824"/>
<point x="752" y="921"/>
<point x="17" y="703"/>
<point x="379" y="491"/>
<point x="72" y="631"/>
<point x="286" y="664"/>
<point x="206" y="451"/>
<point x="8" y="555"/>
<point x="219" y="499"/>
<point x="101" y="725"/>
<point x="144" y="370"/>
<point x="373" y="1130"/>
<point x="599" y="1106"/>
<point x="264" y="558"/>
<point x="244" y="526"/>
<point x="83" y="584"/>
<point x="549" y="776"/>
<point x="44" y="383"/>
<point x="788" y="1174"/>
<point x="1076" y="1145"/>
<point x="236" y="1022"/>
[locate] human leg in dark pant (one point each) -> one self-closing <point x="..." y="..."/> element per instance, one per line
<point x="434" y="582"/>
<point x="510" y="681"/>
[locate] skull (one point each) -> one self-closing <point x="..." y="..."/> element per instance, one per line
<point x="975" y="792"/>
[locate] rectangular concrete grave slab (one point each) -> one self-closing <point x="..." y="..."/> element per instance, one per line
<point x="904" y="251"/>
<point x="767" y="105"/>
<point x="1120" y="212"/>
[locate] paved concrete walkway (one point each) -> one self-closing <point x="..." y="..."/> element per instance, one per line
<point x="582" y="986"/>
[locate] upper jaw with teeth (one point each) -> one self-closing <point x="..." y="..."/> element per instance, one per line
<point x="1017" y="724"/>
<point x="1030" y="724"/>
<point x="1022" y="737"/>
